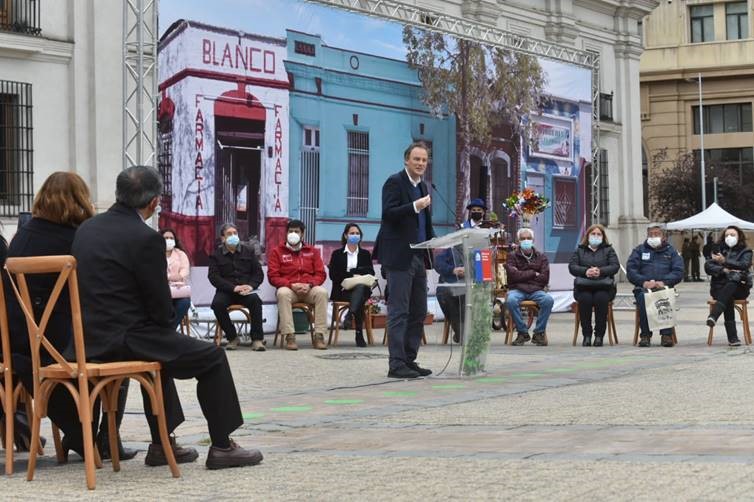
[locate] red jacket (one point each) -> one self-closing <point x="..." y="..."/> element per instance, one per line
<point x="284" y="267"/>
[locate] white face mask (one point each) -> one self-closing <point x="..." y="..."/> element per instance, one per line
<point x="293" y="238"/>
<point x="731" y="240"/>
<point x="169" y="244"/>
<point x="654" y="241"/>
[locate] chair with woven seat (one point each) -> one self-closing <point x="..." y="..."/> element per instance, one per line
<point x="85" y="381"/>
<point x="340" y="308"/>
<point x="612" y="334"/>
<point x="308" y="309"/>
<point x="532" y="309"/>
<point x="637" y="326"/>
<point x="742" y="307"/>
<point x="231" y="309"/>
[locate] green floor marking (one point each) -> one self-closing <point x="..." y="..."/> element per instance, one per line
<point x="292" y="409"/>
<point x="344" y="401"/>
<point x="399" y="393"/>
<point x="560" y="370"/>
<point x="490" y="379"/>
<point x="252" y="416"/>
<point x="525" y="375"/>
<point x="449" y="386"/>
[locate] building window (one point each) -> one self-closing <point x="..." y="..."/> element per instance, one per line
<point x="358" y="174"/>
<point x="702" y="24"/>
<point x="604" y="189"/>
<point x="20" y="16"/>
<point x="718" y="119"/>
<point x="311" y="138"/>
<point x="606" y="106"/>
<point x="564" y="213"/>
<point x="741" y="160"/>
<point x="736" y="20"/>
<point x="16" y="152"/>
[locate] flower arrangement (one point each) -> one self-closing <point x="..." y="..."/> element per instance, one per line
<point x="373" y="305"/>
<point x="526" y="203"/>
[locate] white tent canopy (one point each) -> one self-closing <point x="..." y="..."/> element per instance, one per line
<point x="712" y="218"/>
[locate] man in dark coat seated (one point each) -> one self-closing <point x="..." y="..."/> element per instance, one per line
<point x="127" y="312"/>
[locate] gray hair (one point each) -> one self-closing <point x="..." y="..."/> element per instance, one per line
<point x="136" y="186"/>
<point x="225" y="227"/>
<point x="522" y="231"/>
<point x="652" y="226"/>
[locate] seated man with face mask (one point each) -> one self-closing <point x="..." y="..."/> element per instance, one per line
<point x="653" y="264"/>
<point x="528" y="273"/>
<point x="296" y="269"/>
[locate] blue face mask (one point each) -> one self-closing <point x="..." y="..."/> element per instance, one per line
<point x="595" y="241"/>
<point x="232" y="240"/>
<point x="354" y="238"/>
<point x="526" y="244"/>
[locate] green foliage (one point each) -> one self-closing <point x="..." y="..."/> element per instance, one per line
<point x="478" y="343"/>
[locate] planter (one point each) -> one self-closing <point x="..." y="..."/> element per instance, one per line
<point x="379" y="320"/>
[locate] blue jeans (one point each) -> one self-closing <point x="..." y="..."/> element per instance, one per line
<point x="181" y="306"/>
<point x="542" y="299"/>
<point x="643" y="322"/>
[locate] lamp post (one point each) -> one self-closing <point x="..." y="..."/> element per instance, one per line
<point x="701" y="140"/>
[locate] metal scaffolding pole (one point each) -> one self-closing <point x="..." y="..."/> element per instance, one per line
<point x="139" y="82"/>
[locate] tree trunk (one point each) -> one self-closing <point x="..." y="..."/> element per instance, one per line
<point x="464" y="166"/>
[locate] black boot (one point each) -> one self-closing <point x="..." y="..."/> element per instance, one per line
<point x="598" y="340"/>
<point x="360" y="342"/>
<point x="103" y="442"/>
<point x="587" y="341"/>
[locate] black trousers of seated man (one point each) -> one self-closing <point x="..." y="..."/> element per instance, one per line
<point x="182" y="357"/>
<point x="452" y="306"/>
<point x="223" y="300"/>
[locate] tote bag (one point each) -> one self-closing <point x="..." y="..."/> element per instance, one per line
<point x="660" y="305"/>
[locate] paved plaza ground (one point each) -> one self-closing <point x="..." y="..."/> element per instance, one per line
<point x="545" y="423"/>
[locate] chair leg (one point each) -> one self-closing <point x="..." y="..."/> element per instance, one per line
<point x="36" y="419"/>
<point x="218" y="334"/>
<point x="85" y="414"/>
<point x="636" y="326"/>
<point x="59" y="454"/>
<point x="508" y="326"/>
<point x="445" y="331"/>
<point x="611" y="320"/>
<point x="9" y="409"/>
<point x="368" y="323"/>
<point x="337" y="324"/>
<point x="332" y="324"/>
<point x="111" y="398"/>
<point x="576" y="320"/>
<point x="675" y="338"/>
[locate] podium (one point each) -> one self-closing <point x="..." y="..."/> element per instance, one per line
<point x="477" y="287"/>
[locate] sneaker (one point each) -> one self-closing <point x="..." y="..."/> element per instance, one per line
<point x="233" y="456"/>
<point x="734" y="342"/>
<point x="522" y="338"/>
<point x="419" y="369"/>
<point x="156" y="455"/>
<point x="290" y="342"/>
<point x="666" y="340"/>
<point x="319" y="341"/>
<point x="539" y="339"/>
<point x="644" y="341"/>
<point x="258" y="346"/>
<point x="233" y="344"/>
<point x="711" y="322"/>
<point x="402" y="372"/>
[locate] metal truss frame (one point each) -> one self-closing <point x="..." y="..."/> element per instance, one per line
<point x="140" y="39"/>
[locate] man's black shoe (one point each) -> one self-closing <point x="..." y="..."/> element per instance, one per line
<point x="522" y="338"/>
<point x="403" y="372"/>
<point x="734" y="342"/>
<point x="587" y="341"/>
<point x="644" y="341"/>
<point x="539" y="339"/>
<point x="666" y="340"/>
<point x="360" y="342"/>
<point x="598" y="341"/>
<point x="156" y="455"/>
<point x="422" y="371"/>
<point x="234" y="456"/>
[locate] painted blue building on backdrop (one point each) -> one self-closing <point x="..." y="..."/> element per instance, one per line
<point x="351" y="117"/>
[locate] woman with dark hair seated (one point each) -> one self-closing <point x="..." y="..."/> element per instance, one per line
<point x="179" y="270"/>
<point x="61" y="205"/>
<point x="349" y="261"/>
<point x="729" y="266"/>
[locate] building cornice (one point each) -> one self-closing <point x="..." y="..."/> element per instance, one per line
<point x="634" y="9"/>
<point x="35" y="48"/>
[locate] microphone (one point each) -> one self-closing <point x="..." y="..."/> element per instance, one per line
<point x="445" y="202"/>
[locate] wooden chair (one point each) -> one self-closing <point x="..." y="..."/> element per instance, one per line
<point x="340" y="308"/>
<point x="612" y="334"/>
<point x="532" y="309"/>
<point x="384" y="336"/>
<point x="231" y="308"/>
<point x="742" y="307"/>
<point x="185" y="325"/>
<point x="637" y="327"/>
<point x="308" y="309"/>
<point x="12" y="394"/>
<point x="84" y="380"/>
<point x="445" y="331"/>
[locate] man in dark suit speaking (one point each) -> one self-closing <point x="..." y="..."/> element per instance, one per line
<point x="406" y="220"/>
<point x="127" y="312"/>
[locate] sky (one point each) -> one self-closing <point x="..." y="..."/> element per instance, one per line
<point x="338" y="28"/>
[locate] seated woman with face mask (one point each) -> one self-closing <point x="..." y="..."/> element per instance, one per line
<point x="179" y="270"/>
<point x="729" y="266"/>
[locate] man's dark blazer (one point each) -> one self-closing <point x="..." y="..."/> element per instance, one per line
<point x="400" y="223"/>
<point x="337" y="269"/>
<point x="124" y="289"/>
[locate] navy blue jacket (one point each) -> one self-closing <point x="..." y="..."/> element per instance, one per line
<point x="647" y="263"/>
<point x="446" y="261"/>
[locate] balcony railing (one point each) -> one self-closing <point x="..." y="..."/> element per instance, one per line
<point x="20" y="16"/>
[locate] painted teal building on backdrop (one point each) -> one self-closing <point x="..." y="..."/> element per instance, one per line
<point x="351" y="117"/>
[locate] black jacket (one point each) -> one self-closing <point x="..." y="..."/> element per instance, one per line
<point x="337" y="270"/>
<point x="123" y="282"/>
<point x="39" y="237"/>
<point x="737" y="258"/>
<point x="400" y="223"/>
<point x="228" y="270"/>
<point x="604" y="257"/>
